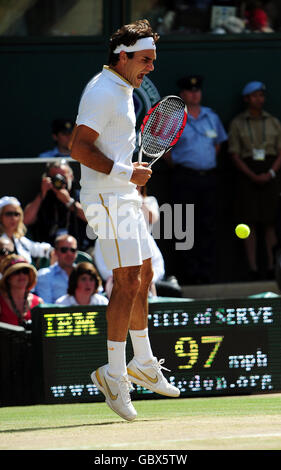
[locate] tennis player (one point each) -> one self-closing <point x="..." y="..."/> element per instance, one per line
<point x="103" y="142"/>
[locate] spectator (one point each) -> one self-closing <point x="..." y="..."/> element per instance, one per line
<point x="256" y="18"/>
<point x="61" y="133"/>
<point x="16" y="300"/>
<point x="194" y="181"/>
<point x="6" y="248"/>
<point x="83" y="286"/>
<point x="52" y="282"/>
<point x="56" y="209"/>
<point x="13" y="229"/>
<point x="255" y="147"/>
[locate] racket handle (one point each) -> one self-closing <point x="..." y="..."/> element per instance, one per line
<point x="140" y="148"/>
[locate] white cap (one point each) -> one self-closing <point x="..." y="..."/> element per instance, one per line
<point x="7" y="200"/>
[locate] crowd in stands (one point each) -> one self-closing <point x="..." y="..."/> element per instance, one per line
<point x="46" y="256"/>
<point x="57" y="271"/>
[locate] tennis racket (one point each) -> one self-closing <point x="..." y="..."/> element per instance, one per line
<point x="161" y="128"/>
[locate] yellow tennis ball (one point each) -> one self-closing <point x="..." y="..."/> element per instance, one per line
<point x="242" y="231"/>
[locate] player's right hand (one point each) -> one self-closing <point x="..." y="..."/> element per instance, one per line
<point x="141" y="173"/>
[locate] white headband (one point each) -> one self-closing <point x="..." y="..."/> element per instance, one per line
<point x="8" y="200"/>
<point x="140" y="45"/>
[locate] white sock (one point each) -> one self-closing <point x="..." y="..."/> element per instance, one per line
<point x="116" y="358"/>
<point x="141" y="345"/>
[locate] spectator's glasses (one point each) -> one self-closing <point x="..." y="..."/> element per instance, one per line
<point x="22" y="271"/>
<point x="5" y="252"/>
<point x="12" y="214"/>
<point x="65" y="249"/>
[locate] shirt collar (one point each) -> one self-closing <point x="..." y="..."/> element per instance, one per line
<point x="203" y="112"/>
<point x="116" y="77"/>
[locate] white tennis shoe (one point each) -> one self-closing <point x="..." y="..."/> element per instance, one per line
<point x="150" y="376"/>
<point x="116" y="392"/>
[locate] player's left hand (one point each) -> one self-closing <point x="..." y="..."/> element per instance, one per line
<point x="141" y="173"/>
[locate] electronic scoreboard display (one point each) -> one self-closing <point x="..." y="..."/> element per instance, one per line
<point x="212" y="347"/>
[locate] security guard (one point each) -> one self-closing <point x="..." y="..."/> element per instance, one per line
<point x="255" y="147"/>
<point x="194" y="160"/>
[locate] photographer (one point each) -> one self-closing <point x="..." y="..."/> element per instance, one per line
<point x="56" y="209"/>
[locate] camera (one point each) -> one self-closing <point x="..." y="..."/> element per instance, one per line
<point x="59" y="181"/>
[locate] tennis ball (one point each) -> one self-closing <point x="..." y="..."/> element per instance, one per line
<point x="242" y="231"/>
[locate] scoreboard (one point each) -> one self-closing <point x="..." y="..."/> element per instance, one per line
<point x="211" y="347"/>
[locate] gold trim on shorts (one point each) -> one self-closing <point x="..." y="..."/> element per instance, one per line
<point x="114" y="230"/>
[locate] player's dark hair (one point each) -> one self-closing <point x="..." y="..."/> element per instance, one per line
<point x="128" y="35"/>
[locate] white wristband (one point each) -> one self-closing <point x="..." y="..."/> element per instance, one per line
<point x="121" y="172"/>
<point x="272" y="172"/>
<point x="70" y="202"/>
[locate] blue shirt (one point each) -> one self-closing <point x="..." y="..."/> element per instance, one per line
<point x="52" y="283"/>
<point x="55" y="153"/>
<point x="196" y="146"/>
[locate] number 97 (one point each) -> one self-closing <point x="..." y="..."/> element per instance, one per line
<point x="193" y="350"/>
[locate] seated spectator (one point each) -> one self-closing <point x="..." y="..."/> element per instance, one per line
<point x="16" y="300"/>
<point x="13" y="229"/>
<point x="61" y="133"/>
<point x="52" y="282"/>
<point x="256" y="17"/>
<point x="83" y="286"/>
<point x="56" y="209"/>
<point x="6" y="247"/>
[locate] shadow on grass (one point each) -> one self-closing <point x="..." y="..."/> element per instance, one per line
<point x="69" y="426"/>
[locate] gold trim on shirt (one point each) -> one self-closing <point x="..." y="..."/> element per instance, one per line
<point x="106" y="67"/>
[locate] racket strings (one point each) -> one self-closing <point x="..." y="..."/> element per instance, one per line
<point x="162" y="126"/>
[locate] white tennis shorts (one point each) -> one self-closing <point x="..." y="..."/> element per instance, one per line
<point x="119" y="223"/>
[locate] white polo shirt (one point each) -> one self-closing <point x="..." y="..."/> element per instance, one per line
<point x="107" y="107"/>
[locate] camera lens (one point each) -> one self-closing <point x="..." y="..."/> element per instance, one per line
<point x="59" y="181"/>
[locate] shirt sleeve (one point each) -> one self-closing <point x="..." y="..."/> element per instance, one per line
<point x="221" y="133"/>
<point x="36" y="249"/>
<point x="234" y="142"/>
<point x="43" y="287"/>
<point x="278" y="127"/>
<point x="95" y="110"/>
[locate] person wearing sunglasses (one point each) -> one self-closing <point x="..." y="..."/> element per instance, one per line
<point x="13" y="229"/>
<point x="52" y="282"/>
<point x="16" y="299"/>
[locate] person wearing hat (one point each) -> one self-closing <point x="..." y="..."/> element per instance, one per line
<point x="61" y="134"/>
<point x="194" y="181"/>
<point x="13" y="229"/>
<point x="255" y="148"/>
<point x="16" y="301"/>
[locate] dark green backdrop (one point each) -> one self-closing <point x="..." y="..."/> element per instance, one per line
<point x="42" y="80"/>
